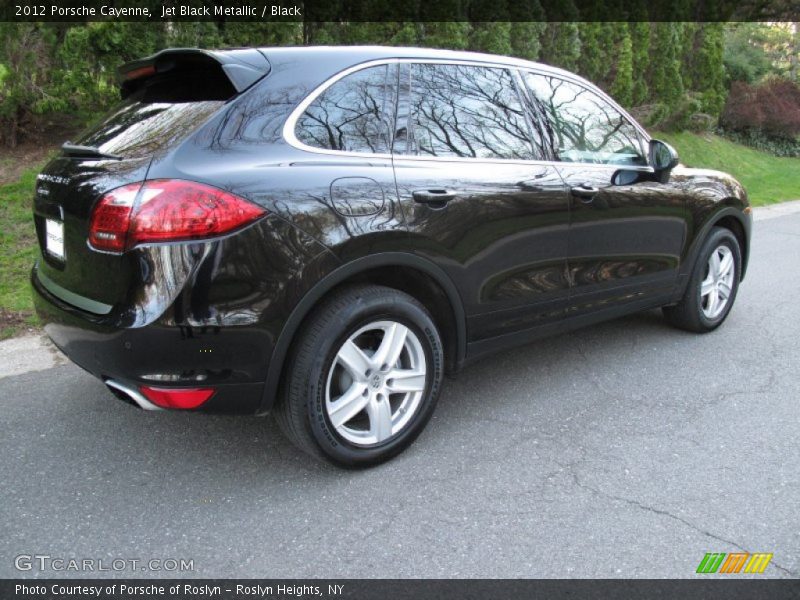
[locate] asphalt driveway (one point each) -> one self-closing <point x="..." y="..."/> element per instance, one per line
<point x="628" y="449"/>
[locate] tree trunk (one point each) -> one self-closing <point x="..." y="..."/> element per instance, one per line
<point x="11" y="141"/>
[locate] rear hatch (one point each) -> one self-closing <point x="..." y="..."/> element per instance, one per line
<point x="166" y="98"/>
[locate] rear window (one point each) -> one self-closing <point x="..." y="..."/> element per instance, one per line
<point x="187" y="81"/>
<point x="162" y="104"/>
<point x="136" y="128"/>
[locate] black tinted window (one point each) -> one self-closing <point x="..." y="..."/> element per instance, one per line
<point x="586" y="128"/>
<point x="137" y="128"/>
<point x="460" y="110"/>
<point x="351" y="114"/>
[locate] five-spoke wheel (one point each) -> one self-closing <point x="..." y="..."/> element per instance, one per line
<point x="718" y="283"/>
<point x="375" y="383"/>
<point x="712" y="287"/>
<point x="365" y="377"/>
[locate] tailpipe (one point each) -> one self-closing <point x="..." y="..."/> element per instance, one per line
<point x="130" y="395"/>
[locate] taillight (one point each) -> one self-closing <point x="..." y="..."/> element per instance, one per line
<point x="166" y="210"/>
<point x="177" y="397"/>
<point x="111" y="219"/>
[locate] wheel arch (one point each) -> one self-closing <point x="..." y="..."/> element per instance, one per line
<point x="737" y="227"/>
<point x="731" y="217"/>
<point x="409" y="273"/>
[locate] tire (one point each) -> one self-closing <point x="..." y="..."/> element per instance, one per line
<point x="695" y="311"/>
<point x="336" y="397"/>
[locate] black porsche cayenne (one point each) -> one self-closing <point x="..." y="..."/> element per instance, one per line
<point x="324" y="233"/>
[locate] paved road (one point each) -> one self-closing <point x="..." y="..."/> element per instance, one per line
<point x="625" y="450"/>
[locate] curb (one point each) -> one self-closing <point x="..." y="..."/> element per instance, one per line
<point x="28" y="353"/>
<point x="762" y="213"/>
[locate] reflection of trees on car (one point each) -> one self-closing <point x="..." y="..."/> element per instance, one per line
<point x="467" y="111"/>
<point x="348" y="116"/>
<point x="587" y="128"/>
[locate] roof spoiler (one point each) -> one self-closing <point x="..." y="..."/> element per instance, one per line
<point x="242" y="67"/>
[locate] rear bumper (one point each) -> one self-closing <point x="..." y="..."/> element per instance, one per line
<point x="233" y="359"/>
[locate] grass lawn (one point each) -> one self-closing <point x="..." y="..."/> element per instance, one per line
<point x="767" y="178"/>
<point x="18" y="243"/>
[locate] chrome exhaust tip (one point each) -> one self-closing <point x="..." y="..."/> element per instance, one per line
<point x="131" y="395"/>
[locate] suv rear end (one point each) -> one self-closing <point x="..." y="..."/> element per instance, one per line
<point x="119" y="245"/>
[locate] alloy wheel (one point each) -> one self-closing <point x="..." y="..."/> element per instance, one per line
<point x="376" y="383"/>
<point x="716" y="288"/>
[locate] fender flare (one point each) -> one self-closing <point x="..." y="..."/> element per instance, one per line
<point x="340" y="275"/>
<point x="727" y="211"/>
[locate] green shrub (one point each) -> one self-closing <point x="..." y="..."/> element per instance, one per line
<point x="779" y="146"/>
<point x="686" y="115"/>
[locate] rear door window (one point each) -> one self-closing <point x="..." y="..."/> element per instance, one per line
<point x="467" y="111"/>
<point x="353" y="114"/>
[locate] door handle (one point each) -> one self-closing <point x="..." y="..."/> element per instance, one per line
<point x="440" y="197"/>
<point x="585" y="192"/>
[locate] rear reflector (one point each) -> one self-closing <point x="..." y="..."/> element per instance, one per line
<point x="111" y="219"/>
<point x="177" y="397"/>
<point x="166" y="210"/>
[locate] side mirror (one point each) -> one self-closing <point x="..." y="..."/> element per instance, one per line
<point x="663" y="158"/>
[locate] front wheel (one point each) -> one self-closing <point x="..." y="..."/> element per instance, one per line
<point x="712" y="287"/>
<point x="365" y="377"/>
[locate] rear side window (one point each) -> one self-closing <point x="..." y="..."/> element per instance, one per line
<point x="586" y="128"/>
<point x="466" y="111"/>
<point x="352" y="114"/>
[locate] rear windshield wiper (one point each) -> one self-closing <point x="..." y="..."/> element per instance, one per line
<point x="77" y="151"/>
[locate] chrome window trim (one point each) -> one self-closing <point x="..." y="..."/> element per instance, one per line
<point x="548" y="163"/>
<point x="290" y="124"/>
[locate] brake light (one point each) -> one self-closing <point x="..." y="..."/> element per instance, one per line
<point x="141" y="72"/>
<point x="166" y="210"/>
<point x="177" y="398"/>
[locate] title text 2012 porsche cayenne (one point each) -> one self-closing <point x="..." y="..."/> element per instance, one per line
<point x="323" y="233"/>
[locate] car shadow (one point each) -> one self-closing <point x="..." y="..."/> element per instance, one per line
<point x="101" y="430"/>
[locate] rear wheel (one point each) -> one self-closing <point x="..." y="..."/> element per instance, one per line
<point x="364" y="378"/>
<point x="712" y="287"/>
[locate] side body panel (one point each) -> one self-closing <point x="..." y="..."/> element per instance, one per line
<point x="626" y="241"/>
<point x="502" y="239"/>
